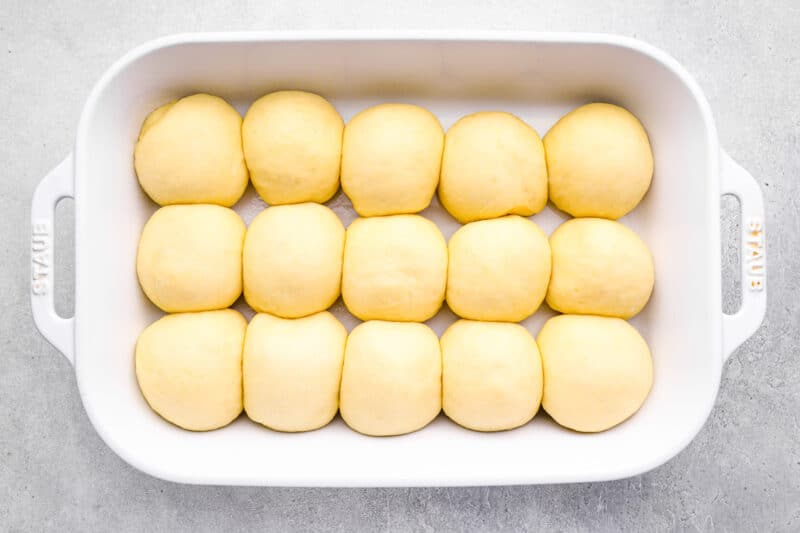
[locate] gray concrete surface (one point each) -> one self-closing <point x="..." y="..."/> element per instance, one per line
<point x="742" y="473"/>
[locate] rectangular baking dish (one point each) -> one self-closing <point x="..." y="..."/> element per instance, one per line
<point x="536" y="76"/>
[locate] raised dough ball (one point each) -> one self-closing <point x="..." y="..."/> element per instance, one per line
<point x="292" y="369"/>
<point x="597" y="371"/>
<point x="391" y="155"/>
<point x="292" y="260"/>
<point x="599" y="160"/>
<point x="190" y="258"/>
<point x="491" y="375"/>
<point x="498" y="269"/>
<point x="395" y="268"/>
<point x="189" y="368"/>
<point x="392" y="378"/>
<point x="190" y="152"/>
<point x="292" y="145"/>
<point x="493" y="165"/>
<point x="600" y="267"/>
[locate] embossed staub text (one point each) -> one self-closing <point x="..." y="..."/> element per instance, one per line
<point x="754" y="254"/>
<point x="40" y="257"/>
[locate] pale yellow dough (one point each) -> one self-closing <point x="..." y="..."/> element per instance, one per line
<point x="292" y="260"/>
<point x="391" y="156"/>
<point x="391" y="382"/>
<point x="597" y="371"/>
<point x="600" y="267"/>
<point x="395" y="268"/>
<point x="493" y="165"/>
<point x="190" y="152"/>
<point x="292" y="145"/>
<point x="498" y="269"/>
<point x="292" y="369"/>
<point x="189" y="368"/>
<point x="491" y="375"/>
<point x="599" y="161"/>
<point x="190" y="257"/>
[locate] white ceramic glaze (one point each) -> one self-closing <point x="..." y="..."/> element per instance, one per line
<point x="536" y="76"/>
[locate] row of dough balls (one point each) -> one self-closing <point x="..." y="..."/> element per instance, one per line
<point x="392" y="157"/>
<point x="295" y="260"/>
<point x="200" y="370"/>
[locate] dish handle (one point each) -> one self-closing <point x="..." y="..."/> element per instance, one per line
<point x="738" y="327"/>
<point x="58" y="184"/>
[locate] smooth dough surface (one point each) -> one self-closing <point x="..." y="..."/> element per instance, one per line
<point x="293" y="145"/>
<point x="597" y="371"/>
<point x="190" y="152"/>
<point x="395" y="268"/>
<point x="189" y="368"/>
<point x="391" y="156"/>
<point x="491" y="375"/>
<point x="600" y="267"/>
<point x="391" y="383"/>
<point x="498" y="269"/>
<point x="292" y="260"/>
<point x="493" y="165"/>
<point x="190" y="257"/>
<point x="292" y="369"/>
<point x="599" y="161"/>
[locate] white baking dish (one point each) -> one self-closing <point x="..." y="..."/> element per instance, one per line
<point x="536" y="76"/>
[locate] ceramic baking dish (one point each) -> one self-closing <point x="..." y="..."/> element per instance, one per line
<point x="536" y="76"/>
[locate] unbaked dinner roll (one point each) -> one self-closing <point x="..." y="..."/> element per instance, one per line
<point x="292" y="369"/>
<point x="395" y="268"/>
<point x="599" y="160"/>
<point x="189" y="368"/>
<point x="498" y="269"/>
<point x="600" y="267"/>
<point x="491" y="375"/>
<point x="190" y="257"/>
<point x="391" y="382"/>
<point x="190" y="152"/>
<point x="292" y="145"/>
<point x="292" y="260"/>
<point x="391" y="155"/>
<point x="597" y="371"/>
<point x="493" y="165"/>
